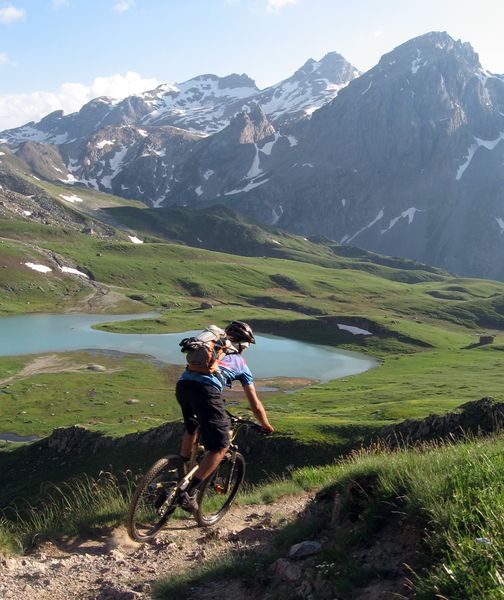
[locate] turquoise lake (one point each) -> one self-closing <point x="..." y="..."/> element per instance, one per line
<point x="271" y="357"/>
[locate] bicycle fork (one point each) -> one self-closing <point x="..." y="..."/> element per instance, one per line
<point x="229" y="478"/>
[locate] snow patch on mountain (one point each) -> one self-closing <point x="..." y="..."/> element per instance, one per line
<point x="277" y="213"/>
<point x="501" y="224"/>
<point x="159" y="201"/>
<point x="488" y="144"/>
<point x="73" y="271"/>
<point x="115" y="166"/>
<point x="72" y="199"/>
<point x="38" y="268"/>
<point x="70" y="180"/>
<point x="354" y="330"/>
<point x="247" y="188"/>
<point x="347" y="239"/>
<point x="367" y="89"/>
<point x="416" y="64"/>
<point x="135" y="240"/>
<point x="103" y="143"/>
<point x="409" y="214"/>
<point x="255" y="170"/>
<point x="268" y="146"/>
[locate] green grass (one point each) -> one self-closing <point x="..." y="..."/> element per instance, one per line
<point x="35" y="405"/>
<point x="454" y="493"/>
<point x="78" y="508"/>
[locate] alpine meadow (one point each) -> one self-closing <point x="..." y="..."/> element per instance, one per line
<point x="354" y="220"/>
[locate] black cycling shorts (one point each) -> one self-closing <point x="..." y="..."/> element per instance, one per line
<point x="202" y="406"/>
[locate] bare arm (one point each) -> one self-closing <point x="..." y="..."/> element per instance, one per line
<point x="257" y="407"/>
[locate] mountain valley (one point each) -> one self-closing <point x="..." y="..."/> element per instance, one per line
<point x="360" y="212"/>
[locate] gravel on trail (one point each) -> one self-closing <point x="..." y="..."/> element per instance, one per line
<point x="114" y="567"/>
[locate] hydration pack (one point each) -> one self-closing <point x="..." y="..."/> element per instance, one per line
<point x="204" y="351"/>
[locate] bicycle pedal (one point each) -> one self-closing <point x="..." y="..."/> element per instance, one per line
<point x="219" y="488"/>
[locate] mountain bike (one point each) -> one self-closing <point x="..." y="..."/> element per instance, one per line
<point x="157" y="496"/>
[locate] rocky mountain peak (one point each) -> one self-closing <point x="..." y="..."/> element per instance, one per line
<point x="249" y="126"/>
<point x="436" y="48"/>
<point x="237" y="81"/>
<point x="52" y="118"/>
<point x="314" y="84"/>
<point x="332" y="66"/>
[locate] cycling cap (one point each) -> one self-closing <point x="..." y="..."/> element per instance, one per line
<point x="238" y="331"/>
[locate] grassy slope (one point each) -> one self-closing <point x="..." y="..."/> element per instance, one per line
<point x="92" y="200"/>
<point x="453" y="495"/>
<point x="424" y="337"/>
<point x="425" y="321"/>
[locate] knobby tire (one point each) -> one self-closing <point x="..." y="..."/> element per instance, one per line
<point x="144" y="520"/>
<point x="218" y="492"/>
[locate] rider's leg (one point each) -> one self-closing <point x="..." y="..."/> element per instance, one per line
<point x="210" y="462"/>
<point x="188" y="441"/>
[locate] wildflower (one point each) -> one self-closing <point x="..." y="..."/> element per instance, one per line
<point x="484" y="540"/>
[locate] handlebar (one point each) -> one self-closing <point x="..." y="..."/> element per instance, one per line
<point x="236" y="420"/>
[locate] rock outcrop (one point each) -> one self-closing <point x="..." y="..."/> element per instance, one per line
<point x="480" y="417"/>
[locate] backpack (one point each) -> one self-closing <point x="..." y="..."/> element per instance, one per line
<point x="204" y="351"/>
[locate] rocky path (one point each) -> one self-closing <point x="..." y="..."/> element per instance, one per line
<point x="116" y="568"/>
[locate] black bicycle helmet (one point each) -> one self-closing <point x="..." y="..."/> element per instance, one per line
<point x="240" y="332"/>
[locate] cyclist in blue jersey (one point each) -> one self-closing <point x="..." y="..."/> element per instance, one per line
<point x="200" y="397"/>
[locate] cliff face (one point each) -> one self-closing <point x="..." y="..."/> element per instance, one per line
<point x="480" y="417"/>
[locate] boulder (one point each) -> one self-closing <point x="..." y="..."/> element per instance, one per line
<point x="304" y="549"/>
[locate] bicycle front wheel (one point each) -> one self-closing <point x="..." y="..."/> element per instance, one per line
<point x="219" y="490"/>
<point x="153" y="502"/>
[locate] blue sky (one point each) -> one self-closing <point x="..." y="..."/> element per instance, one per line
<point x="61" y="53"/>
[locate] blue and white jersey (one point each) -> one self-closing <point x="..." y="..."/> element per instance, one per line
<point x="232" y="368"/>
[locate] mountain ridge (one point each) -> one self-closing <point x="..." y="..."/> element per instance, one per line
<point x="404" y="159"/>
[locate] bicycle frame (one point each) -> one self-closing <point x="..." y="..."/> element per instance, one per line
<point x="237" y="423"/>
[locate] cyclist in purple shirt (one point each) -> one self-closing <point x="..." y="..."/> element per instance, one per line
<point x="200" y="397"/>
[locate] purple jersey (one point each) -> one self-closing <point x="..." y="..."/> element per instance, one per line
<point x="232" y="367"/>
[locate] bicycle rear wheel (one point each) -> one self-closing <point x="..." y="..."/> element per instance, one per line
<point x="153" y="502"/>
<point x="219" y="490"/>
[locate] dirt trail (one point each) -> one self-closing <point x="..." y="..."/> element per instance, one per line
<point x="116" y="568"/>
<point x="52" y="363"/>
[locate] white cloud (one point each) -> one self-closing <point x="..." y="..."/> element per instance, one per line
<point x="10" y="13"/>
<point x="274" y="6"/>
<point x="60" y="3"/>
<point x="3" y="58"/>
<point x="378" y="33"/>
<point x="123" y="5"/>
<point x="18" y="109"/>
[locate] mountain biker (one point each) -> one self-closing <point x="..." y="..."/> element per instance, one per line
<point x="200" y="397"/>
